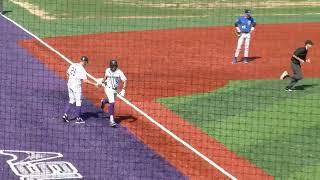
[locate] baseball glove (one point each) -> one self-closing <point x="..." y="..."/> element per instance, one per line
<point x="238" y="34"/>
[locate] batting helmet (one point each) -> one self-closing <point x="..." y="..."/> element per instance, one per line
<point x="84" y="59"/>
<point x="113" y="65"/>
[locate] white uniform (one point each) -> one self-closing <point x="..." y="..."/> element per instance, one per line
<point x="112" y="83"/>
<point x="76" y="73"/>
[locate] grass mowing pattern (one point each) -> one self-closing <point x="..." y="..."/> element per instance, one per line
<point x="93" y="16"/>
<point x="276" y="130"/>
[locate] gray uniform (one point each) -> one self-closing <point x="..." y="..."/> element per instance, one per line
<point x="296" y="66"/>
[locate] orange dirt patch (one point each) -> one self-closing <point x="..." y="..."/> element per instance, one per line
<point x="177" y="62"/>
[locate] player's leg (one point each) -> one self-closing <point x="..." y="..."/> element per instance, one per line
<point x="111" y="98"/>
<point x="78" y="98"/>
<point x="68" y="106"/>
<point x="104" y="102"/>
<point x="297" y="75"/>
<point x="239" y="45"/>
<point x="284" y="75"/>
<point x="246" y="48"/>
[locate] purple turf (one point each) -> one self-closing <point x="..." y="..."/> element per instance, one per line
<point x="32" y="101"/>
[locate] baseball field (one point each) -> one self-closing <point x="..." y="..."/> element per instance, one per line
<point x="177" y="57"/>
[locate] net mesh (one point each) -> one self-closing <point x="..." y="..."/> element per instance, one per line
<point x="190" y="110"/>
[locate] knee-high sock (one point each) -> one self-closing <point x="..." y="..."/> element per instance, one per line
<point x="105" y="101"/>
<point x="67" y="108"/>
<point x="78" y="111"/>
<point x="111" y="109"/>
<point x="111" y="112"/>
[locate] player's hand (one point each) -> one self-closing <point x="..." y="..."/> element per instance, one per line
<point x="308" y="61"/>
<point x="98" y="84"/>
<point x="237" y="33"/>
<point x="122" y="92"/>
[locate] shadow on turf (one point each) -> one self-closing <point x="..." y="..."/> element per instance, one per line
<point x="127" y="118"/>
<point x="5" y="12"/>
<point x="305" y="86"/>
<point x="250" y="59"/>
<point x="102" y="115"/>
<point x="87" y="115"/>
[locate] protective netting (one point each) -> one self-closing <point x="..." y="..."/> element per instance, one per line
<point x="203" y="96"/>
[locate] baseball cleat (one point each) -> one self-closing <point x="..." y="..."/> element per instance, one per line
<point x="113" y="124"/>
<point x="79" y="120"/>
<point x="288" y="89"/>
<point x="102" y="104"/>
<point x="245" y="60"/>
<point x="284" y="75"/>
<point x="65" y="118"/>
<point x="234" y="60"/>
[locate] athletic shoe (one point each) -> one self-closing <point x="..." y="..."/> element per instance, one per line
<point x="102" y="104"/>
<point x="288" y="89"/>
<point x="65" y="118"/>
<point x="79" y="120"/>
<point x="234" y="60"/>
<point x="113" y="124"/>
<point x="245" y="60"/>
<point x="284" y="75"/>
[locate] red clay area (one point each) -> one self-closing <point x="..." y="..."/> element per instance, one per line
<point x="164" y="63"/>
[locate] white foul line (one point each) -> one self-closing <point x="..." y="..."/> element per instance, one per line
<point x="133" y="106"/>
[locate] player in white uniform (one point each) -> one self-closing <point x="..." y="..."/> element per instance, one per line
<point x="76" y="75"/>
<point x="113" y="76"/>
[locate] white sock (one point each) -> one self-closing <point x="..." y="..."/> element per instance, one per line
<point x="111" y="119"/>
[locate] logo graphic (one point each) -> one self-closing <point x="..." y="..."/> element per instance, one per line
<point x="30" y="165"/>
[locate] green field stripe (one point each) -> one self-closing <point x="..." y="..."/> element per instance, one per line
<point x="306" y="173"/>
<point x="275" y="129"/>
<point x="109" y="16"/>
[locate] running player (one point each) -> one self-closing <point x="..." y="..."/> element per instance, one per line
<point x="76" y="75"/>
<point x="113" y="76"/>
<point x="244" y="26"/>
<point x="299" y="57"/>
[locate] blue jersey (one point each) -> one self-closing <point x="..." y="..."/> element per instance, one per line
<point x="245" y="24"/>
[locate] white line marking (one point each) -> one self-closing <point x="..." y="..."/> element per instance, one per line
<point x="134" y="107"/>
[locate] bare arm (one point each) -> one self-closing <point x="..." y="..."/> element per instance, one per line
<point x="124" y="85"/>
<point x="104" y="79"/>
<point x="89" y="82"/>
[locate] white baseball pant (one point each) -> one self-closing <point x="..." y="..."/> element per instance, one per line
<point x="75" y="94"/>
<point x="245" y="37"/>
<point x="111" y="94"/>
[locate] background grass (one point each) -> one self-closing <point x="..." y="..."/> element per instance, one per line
<point x="275" y="129"/>
<point x="92" y="16"/>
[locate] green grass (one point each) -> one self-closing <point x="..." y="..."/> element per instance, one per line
<point x="276" y="130"/>
<point x="93" y="16"/>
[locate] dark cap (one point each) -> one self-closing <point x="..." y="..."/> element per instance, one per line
<point x="247" y="11"/>
<point x="84" y="58"/>
<point x="308" y="42"/>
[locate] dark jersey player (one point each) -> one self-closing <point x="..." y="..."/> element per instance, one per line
<point x="299" y="57"/>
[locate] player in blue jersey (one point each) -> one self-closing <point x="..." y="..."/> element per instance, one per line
<point x="244" y="26"/>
